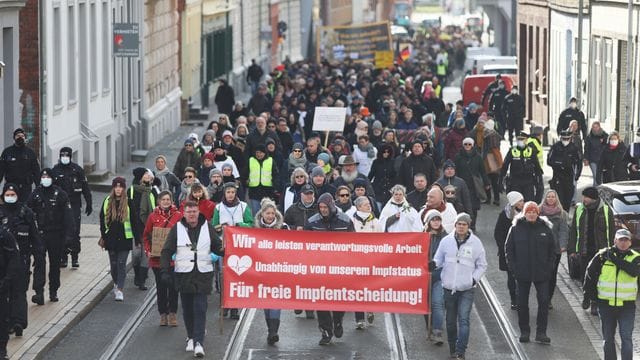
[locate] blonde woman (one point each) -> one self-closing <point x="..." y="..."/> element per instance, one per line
<point x="116" y="234"/>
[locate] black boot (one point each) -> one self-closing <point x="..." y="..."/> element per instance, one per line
<point x="53" y="295"/>
<point x="74" y="261"/>
<point x="310" y="314"/>
<point x="38" y="298"/>
<point x="64" y="260"/>
<point x="272" y="326"/>
<point x="235" y="315"/>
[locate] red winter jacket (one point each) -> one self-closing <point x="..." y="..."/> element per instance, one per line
<point x="205" y="206"/>
<point x="159" y="218"/>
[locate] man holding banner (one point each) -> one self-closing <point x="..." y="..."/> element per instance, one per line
<point x="329" y="219"/>
<point x="462" y="258"/>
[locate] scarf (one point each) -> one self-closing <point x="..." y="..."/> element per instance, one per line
<point x="268" y="226"/>
<point x="162" y="176"/>
<point x="294" y="163"/>
<point x="363" y="217"/>
<point x="550" y="210"/>
<point x="145" y="203"/>
<point x="232" y="203"/>
<point x="369" y="149"/>
<point x="441" y="209"/>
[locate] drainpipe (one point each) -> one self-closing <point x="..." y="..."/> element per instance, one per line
<point x="627" y="120"/>
<point x="42" y="91"/>
<point x="579" y="49"/>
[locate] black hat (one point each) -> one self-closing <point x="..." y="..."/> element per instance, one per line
<point x="9" y="186"/>
<point x="307" y="188"/>
<point x="119" y="180"/>
<point x="565" y="134"/>
<point x="66" y="151"/>
<point x="217" y="144"/>
<point x="498" y="76"/>
<point x="449" y="164"/>
<point x="18" y="131"/>
<point x="573" y="99"/>
<point x="359" y="183"/>
<point x="138" y="173"/>
<point x="269" y="141"/>
<point x="46" y="171"/>
<point x="590" y="192"/>
<point x="261" y="148"/>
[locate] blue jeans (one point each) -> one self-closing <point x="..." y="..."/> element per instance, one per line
<point x="610" y="317"/>
<point x="255" y="206"/>
<point x="271" y="313"/>
<point x="597" y="175"/>
<point x="458" y="306"/>
<point x="194" y="313"/>
<point x="437" y="305"/>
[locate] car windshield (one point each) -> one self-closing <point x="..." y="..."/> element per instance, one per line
<point x="626" y="203"/>
<point x="500" y="71"/>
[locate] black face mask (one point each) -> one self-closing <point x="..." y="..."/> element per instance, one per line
<point x="20" y="141"/>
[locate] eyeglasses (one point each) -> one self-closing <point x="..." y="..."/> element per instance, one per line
<point x="343" y="195"/>
<point x="450" y="192"/>
<point x="467" y="144"/>
<point x="299" y="176"/>
<point x="189" y="176"/>
<point x="297" y="150"/>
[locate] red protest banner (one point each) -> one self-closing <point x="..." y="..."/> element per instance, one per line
<point x="281" y="269"/>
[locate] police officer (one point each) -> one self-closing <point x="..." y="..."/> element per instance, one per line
<point x="612" y="282"/>
<point x="20" y="222"/>
<point x="493" y="86"/>
<point x="495" y="105"/>
<point x="565" y="160"/>
<point x="69" y="176"/>
<point x="10" y="272"/>
<point x="572" y="113"/>
<point x="513" y="111"/>
<point x="53" y="212"/>
<point x="523" y="167"/>
<point x="535" y="141"/>
<point x="19" y="165"/>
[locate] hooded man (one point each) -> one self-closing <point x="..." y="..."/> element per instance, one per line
<point x="329" y="218"/>
<point x="70" y="177"/>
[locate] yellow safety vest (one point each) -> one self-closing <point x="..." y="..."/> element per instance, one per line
<point x="152" y="199"/>
<point x="580" y="211"/>
<point x="538" y="147"/>
<point x="617" y="286"/>
<point x="128" y="233"/>
<point x="260" y="175"/>
<point x="441" y="69"/>
<point x="516" y="153"/>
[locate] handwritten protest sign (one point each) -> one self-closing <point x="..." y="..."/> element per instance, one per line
<point x="279" y="269"/>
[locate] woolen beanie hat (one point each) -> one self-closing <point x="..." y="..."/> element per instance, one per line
<point x="531" y="206"/>
<point x="188" y="142"/>
<point x="377" y="125"/>
<point x="490" y="124"/>
<point x="119" y="180"/>
<point x="217" y="144"/>
<point x="138" y="173"/>
<point x="298" y="146"/>
<point x="229" y="184"/>
<point x="161" y="157"/>
<point x="324" y="157"/>
<point x="431" y="214"/>
<point x="209" y="156"/>
<point x="590" y="192"/>
<point x="226" y="165"/>
<point x="449" y="164"/>
<point x="468" y="140"/>
<point x="317" y="171"/>
<point x="18" y="131"/>
<point x="513" y="197"/>
<point x="463" y="217"/>
<point x="66" y="151"/>
<point x="215" y="171"/>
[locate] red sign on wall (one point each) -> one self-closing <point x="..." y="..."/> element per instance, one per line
<point x="279" y="269"/>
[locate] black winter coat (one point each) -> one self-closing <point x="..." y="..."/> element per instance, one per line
<point x="500" y="233"/>
<point x="382" y="176"/>
<point x="416" y="164"/>
<point x="469" y="165"/>
<point x="297" y="215"/>
<point x="114" y="238"/>
<point x="612" y="164"/>
<point x="531" y="250"/>
<point x="337" y="221"/>
<point x="594" y="146"/>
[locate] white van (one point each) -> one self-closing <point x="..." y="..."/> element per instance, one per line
<point x="500" y="69"/>
<point x="475" y="51"/>
<point x="480" y="61"/>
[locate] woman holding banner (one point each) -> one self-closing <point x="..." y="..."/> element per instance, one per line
<point x="433" y="226"/>
<point x="364" y="220"/>
<point x="268" y="217"/>
<point x="161" y="220"/>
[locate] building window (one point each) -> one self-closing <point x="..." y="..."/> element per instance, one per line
<point x="607" y="80"/>
<point x="93" y="28"/>
<point x="106" y="49"/>
<point x="71" y="54"/>
<point x="57" y="61"/>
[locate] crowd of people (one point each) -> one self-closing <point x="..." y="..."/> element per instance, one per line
<point x="405" y="162"/>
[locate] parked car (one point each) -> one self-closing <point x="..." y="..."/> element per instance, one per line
<point x="473" y="87"/>
<point x="623" y="198"/>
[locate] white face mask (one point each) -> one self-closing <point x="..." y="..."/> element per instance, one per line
<point x="614" y="142"/>
<point x="565" y="142"/>
<point x="514" y="91"/>
<point x="65" y="160"/>
<point x="46" y="182"/>
<point x="573" y="105"/>
<point x="520" y="143"/>
<point x="10" y="199"/>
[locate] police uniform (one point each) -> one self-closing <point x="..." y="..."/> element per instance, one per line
<point x="19" y="221"/>
<point x="53" y="213"/>
<point x="566" y="163"/>
<point x="513" y="109"/>
<point x="495" y="106"/>
<point x="10" y="273"/>
<point x="19" y="165"/>
<point x="534" y="142"/>
<point x="521" y="162"/>
<point x="70" y="177"/>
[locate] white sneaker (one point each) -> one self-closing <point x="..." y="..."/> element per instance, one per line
<point x="119" y="295"/>
<point x="189" y="347"/>
<point x="198" y="351"/>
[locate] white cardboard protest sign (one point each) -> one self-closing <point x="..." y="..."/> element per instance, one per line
<point x="329" y="118"/>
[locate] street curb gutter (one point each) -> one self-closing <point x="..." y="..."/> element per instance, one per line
<point x="47" y="338"/>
